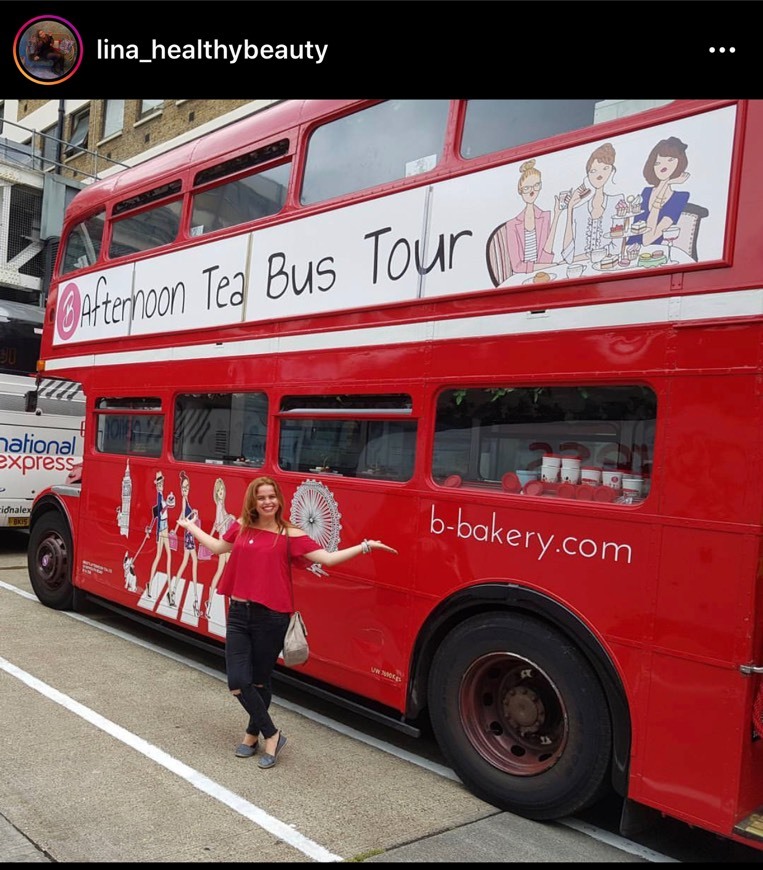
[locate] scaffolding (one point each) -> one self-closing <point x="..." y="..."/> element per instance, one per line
<point x="33" y="196"/>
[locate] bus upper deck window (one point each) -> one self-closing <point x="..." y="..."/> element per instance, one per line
<point x="83" y="244"/>
<point x="376" y="145"/>
<point x="240" y="201"/>
<point x="493" y="125"/>
<point x="149" y="229"/>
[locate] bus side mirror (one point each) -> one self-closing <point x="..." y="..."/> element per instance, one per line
<point x="30" y="401"/>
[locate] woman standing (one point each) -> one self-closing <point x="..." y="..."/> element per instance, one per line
<point x="258" y="581"/>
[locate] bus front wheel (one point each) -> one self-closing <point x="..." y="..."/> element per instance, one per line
<point x="520" y="716"/>
<point x="49" y="559"/>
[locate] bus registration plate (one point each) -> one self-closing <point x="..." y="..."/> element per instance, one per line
<point x="18" y="521"/>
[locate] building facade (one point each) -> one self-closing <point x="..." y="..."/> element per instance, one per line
<point x="49" y="149"/>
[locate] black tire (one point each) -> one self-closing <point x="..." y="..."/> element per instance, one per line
<point x="521" y="716"/>
<point x="49" y="560"/>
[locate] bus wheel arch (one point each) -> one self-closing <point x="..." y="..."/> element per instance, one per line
<point x="50" y="557"/>
<point x="514" y="728"/>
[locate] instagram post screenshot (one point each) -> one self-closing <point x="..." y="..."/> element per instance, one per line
<point x="380" y="430"/>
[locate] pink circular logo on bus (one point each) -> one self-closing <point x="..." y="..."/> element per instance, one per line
<point x="68" y="311"/>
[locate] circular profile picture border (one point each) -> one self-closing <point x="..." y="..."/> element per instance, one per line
<point x="17" y="53"/>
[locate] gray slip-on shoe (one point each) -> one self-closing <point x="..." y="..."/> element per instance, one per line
<point x="267" y="760"/>
<point x="244" y="751"/>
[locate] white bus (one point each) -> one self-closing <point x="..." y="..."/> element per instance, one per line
<point x="41" y="421"/>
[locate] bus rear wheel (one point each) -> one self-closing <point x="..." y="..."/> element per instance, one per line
<point x="521" y="716"/>
<point x="49" y="559"/>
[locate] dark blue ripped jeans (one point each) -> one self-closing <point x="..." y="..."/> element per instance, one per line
<point x="253" y="641"/>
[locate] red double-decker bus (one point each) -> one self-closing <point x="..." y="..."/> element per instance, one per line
<point x="518" y="340"/>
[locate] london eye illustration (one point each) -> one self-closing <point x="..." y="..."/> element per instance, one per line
<point x="315" y="511"/>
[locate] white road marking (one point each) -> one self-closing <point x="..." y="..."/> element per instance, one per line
<point x="340" y="728"/>
<point x="203" y="783"/>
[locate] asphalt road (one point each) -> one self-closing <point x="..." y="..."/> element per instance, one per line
<point x="117" y="745"/>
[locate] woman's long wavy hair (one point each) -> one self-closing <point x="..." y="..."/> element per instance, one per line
<point x="249" y="513"/>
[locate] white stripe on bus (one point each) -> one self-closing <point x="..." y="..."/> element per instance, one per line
<point x="728" y="305"/>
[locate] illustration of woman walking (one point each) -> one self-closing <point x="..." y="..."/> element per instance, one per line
<point x="189" y="547"/>
<point x="161" y="515"/>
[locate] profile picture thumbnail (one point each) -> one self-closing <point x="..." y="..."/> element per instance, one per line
<point x="48" y="50"/>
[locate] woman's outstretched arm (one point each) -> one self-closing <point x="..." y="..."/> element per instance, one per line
<point x="323" y="557"/>
<point x="216" y="545"/>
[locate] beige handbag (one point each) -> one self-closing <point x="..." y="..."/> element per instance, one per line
<point x="295" y="646"/>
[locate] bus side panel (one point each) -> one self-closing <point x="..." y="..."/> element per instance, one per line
<point x="119" y="566"/>
<point x="596" y="561"/>
<point x="706" y="616"/>
<point x="357" y="615"/>
<point x="101" y="545"/>
<point x="711" y="464"/>
<point x="693" y="668"/>
<point x="620" y="354"/>
<point x="682" y="746"/>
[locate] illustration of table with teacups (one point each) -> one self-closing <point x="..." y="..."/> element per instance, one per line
<point x="616" y="256"/>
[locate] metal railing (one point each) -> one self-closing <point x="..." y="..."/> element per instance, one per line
<point x="32" y="155"/>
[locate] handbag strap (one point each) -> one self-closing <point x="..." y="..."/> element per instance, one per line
<point x="288" y="565"/>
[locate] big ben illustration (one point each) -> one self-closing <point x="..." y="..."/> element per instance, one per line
<point x="123" y="513"/>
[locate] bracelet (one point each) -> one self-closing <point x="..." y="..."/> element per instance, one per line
<point x="365" y="547"/>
